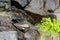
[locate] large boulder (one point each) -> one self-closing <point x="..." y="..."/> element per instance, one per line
<point x="41" y="6"/>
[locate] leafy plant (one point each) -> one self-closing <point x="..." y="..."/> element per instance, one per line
<point x="48" y="26"/>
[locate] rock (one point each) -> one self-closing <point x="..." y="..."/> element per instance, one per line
<point x="4" y="28"/>
<point x="7" y="25"/>
<point x="35" y="6"/>
<point x="20" y="35"/>
<point x="22" y="2"/>
<point x="5" y="21"/>
<point x="31" y="35"/>
<point x="8" y="35"/>
<point x="22" y="27"/>
<point x="51" y="4"/>
<point x="5" y="4"/>
<point x="57" y="13"/>
<point x="51" y="15"/>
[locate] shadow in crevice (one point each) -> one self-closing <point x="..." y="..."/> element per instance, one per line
<point x="36" y="18"/>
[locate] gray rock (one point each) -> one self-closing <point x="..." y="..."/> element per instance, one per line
<point x="57" y="13"/>
<point x="22" y="2"/>
<point x="20" y="35"/>
<point x="36" y="5"/>
<point x="5" y="21"/>
<point x="8" y="35"/>
<point x="57" y="16"/>
<point x="4" y="28"/>
<point x="22" y="26"/>
<point x="51" y="4"/>
<point x="2" y="4"/>
<point x="31" y="35"/>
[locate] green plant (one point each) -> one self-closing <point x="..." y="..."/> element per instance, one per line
<point x="48" y="26"/>
<point x="58" y="7"/>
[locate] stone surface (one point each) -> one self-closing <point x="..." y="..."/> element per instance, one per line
<point x="5" y="21"/>
<point x="36" y="6"/>
<point x="51" y="4"/>
<point x="21" y="26"/>
<point x="22" y="2"/>
<point x="31" y="35"/>
<point x="6" y="25"/>
<point x="2" y="4"/>
<point x="58" y="16"/>
<point x="8" y="35"/>
<point x="57" y="13"/>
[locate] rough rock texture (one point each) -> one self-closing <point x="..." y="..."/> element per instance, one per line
<point x="57" y="13"/>
<point x="22" y="2"/>
<point x="31" y="35"/>
<point x="7" y="25"/>
<point x="6" y="35"/>
<point x="36" y="6"/>
<point x="40" y="6"/>
<point x="51" y="4"/>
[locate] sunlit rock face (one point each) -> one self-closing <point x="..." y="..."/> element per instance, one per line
<point x="37" y="5"/>
<point x="51" y="4"/>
